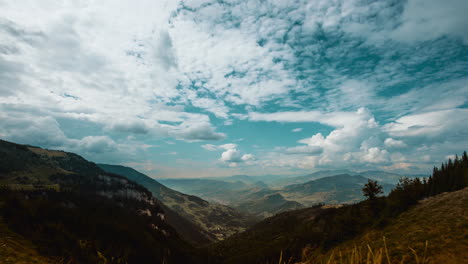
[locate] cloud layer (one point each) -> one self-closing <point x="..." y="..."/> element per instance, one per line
<point x="362" y="84"/>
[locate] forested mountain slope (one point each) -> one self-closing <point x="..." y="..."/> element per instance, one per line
<point x="68" y="208"/>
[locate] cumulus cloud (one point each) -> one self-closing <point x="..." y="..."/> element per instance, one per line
<point x="247" y="157"/>
<point x="374" y="155"/>
<point x="297" y="129"/>
<point x="365" y="143"/>
<point x="46" y="132"/>
<point x="394" y="143"/>
<point x="231" y="155"/>
<point x="197" y="132"/>
<point x="95" y="144"/>
<point x="40" y="131"/>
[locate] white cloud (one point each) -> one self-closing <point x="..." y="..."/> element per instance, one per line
<point x="231" y="155"/>
<point x="46" y="132"/>
<point x="436" y="124"/>
<point x="247" y="157"/>
<point x="197" y="132"/>
<point x="157" y="70"/>
<point x="351" y="93"/>
<point x="229" y="61"/>
<point x="430" y="19"/>
<point x="375" y="155"/>
<point x="394" y="143"/>
<point x="364" y="143"/>
<point x="119" y="73"/>
<point x="335" y="119"/>
<point x="94" y="144"/>
<point x="211" y="147"/>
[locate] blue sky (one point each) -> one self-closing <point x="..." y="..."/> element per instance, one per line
<point x="210" y="88"/>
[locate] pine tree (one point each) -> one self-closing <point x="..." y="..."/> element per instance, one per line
<point x="372" y="189"/>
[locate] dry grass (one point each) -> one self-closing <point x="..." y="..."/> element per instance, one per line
<point x="366" y="255"/>
<point x="14" y="249"/>
<point x="442" y="220"/>
<point x="48" y="153"/>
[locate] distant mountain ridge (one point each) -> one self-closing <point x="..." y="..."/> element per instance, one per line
<point x="337" y="189"/>
<point x="269" y="205"/>
<point x="248" y="194"/>
<point x="283" y="180"/>
<point x="219" y="191"/>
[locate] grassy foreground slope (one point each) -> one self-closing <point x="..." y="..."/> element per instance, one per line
<point x="441" y="220"/>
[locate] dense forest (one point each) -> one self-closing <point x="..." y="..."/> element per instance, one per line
<point x="74" y="212"/>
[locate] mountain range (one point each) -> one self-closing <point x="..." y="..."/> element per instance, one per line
<point x="216" y="221"/>
<point x="57" y="207"/>
<point x="246" y="194"/>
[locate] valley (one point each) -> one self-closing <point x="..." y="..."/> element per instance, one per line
<point x="264" y="198"/>
<point x="57" y="207"/>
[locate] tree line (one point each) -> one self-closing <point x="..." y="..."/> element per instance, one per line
<point x="451" y="176"/>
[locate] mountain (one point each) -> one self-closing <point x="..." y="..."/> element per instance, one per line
<point x="224" y="192"/>
<point x="380" y="176"/>
<point x="280" y="182"/>
<point x="336" y="189"/>
<point x="248" y="195"/>
<point x="268" y="179"/>
<point x="388" y="177"/>
<point x="215" y="220"/>
<point x="269" y="205"/>
<point x="72" y="211"/>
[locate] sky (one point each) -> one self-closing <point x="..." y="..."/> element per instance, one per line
<point x="214" y="88"/>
